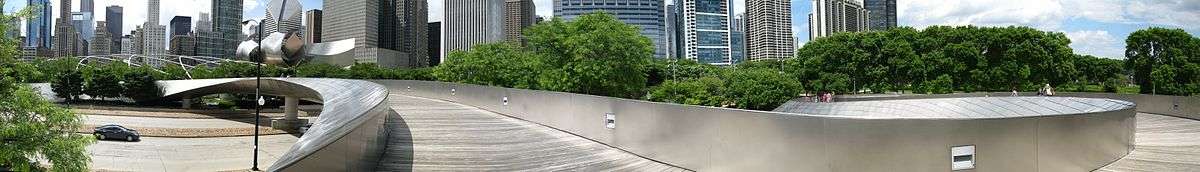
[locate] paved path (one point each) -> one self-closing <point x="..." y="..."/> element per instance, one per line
<point x="435" y="135"/>
<point x="1162" y="144"/>
<point x="187" y="154"/>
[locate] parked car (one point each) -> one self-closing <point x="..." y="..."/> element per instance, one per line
<point x="113" y="131"/>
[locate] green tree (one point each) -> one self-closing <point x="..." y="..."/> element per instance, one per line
<point x="321" y="70"/>
<point x="139" y="85"/>
<point x="30" y="127"/>
<point x="760" y="89"/>
<point x="1148" y="50"/>
<point x="593" y="54"/>
<point x="706" y="91"/>
<point x="496" y="64"/>
<point x="105" y="82"/>
<point x="68" y="85"/>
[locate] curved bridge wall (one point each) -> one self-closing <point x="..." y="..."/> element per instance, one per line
<point x="721" y="139"/>
<point x="1179" y="106"/>
<point x="349" y="135"/>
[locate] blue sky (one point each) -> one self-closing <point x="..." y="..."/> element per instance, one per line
<point x="1096" y="27"/>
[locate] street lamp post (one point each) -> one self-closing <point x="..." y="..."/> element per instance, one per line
<point x="259" y="99"/>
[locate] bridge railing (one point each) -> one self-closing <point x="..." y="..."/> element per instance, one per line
<point x="1178" y="106"/>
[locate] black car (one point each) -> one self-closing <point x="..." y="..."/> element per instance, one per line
<point x="116" y="132"/>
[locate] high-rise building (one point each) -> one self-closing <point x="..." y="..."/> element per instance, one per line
<point x="183" y="45"/>
<point x="65" y="34"/>
<point x="883" y="14"/>
<point x="206" y="39"/>
<point x="87" y="6"/>
<point x="518" y="15"/>
<point x="37" y="26"/>
<point x="645" y="14"/>
<point x="139" y="40"/>
<point x="410" y="32"/>
<point x="382" y="30"/>
<point x="285" y="21"/>
<point x="671" y="26"/>
<point x="769" y="30"/>
<point x="312" y="26"/>
<point x="434" y="43"/>
<point x="127" y="46"/>
<point x="737" y="41"/>
<point x="467" y="23"/>
<point x="705" y="31"/>
<point x="101" y="45"/>
<point x="227" y="28"/>
<point x="84" y="24"/>
<point x="114" y="18"/>
<point x="154" y="35"/>
<point x="833" y="16"/>
<point x="181" y="25"/>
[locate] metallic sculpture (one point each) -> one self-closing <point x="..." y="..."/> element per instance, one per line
<point x="270" y="42"/>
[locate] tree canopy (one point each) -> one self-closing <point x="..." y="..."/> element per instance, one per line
<point x="1164" y="61"/>
<point x="32" y="128"/>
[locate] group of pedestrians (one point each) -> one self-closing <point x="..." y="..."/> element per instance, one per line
<point x="1046" y="90"/>
<point x="823" y="97"/>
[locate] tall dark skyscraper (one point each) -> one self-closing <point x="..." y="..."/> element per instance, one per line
<point x="435" y="43"/>
<point x="114" y="17"/>
<point x="65" y="34"/>
<point x="87" y="6"/>
<point x="312" y="26"/>
<point x="227" y="27"/>
<point x="882" y="14"/>
<point x="181" y="25"/>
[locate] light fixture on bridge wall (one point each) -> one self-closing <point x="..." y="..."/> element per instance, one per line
<point x="610" y="120"/>
<point x="452" y="91"/>
<point x="505" y="100"/>
<point x="962" y="157"/>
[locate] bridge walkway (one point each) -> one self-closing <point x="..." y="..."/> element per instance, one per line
<point x="435" y="135"/>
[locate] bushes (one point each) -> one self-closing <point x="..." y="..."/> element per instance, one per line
<point x="139" y="85"/>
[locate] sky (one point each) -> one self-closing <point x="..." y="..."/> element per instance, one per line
<point x="1095" y="27"/>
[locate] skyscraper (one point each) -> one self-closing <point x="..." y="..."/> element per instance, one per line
<point x="833" y="16"/>
<point x="411" y="32"/>
<point x="183" y="44"/>
<point x="181" y="25"/>
<point x="883" y="14"/>
<point x="645" y="14"/>
<point x="434" y="43"/>
<point x="206" y="39"/>
<point x="705" y="31"/>
<point x="37" y="26"/>
<point x="312" y="26"/>
<point x="382" y="30"/>
<point x="101" y="44"/>
<point x="769" y="30"/>
<point x="470" y="22"/>
<point x="518" y="15"/>
<point x="227" y="27"/>
<point x="114" y="18"/>
<point x="155" y="35"/>
<point x="737" y="41"/>
<point x="84" y="24"/>
<point x="285" y="21"/>
<point x="64" y="31"/>
<point x="87" y="6"/>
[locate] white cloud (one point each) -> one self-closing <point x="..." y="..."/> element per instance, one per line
<point x="1042" y="14"/>
<point x="1049" y="14"/>
<point x="1097" y="43"/>
<point x="249" y="4"/>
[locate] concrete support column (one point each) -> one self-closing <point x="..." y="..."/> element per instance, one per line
<point x="291" y="108"/>
<point x="187" y="102"/>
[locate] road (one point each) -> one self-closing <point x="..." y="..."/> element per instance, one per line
<point x="187" y="154"/>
